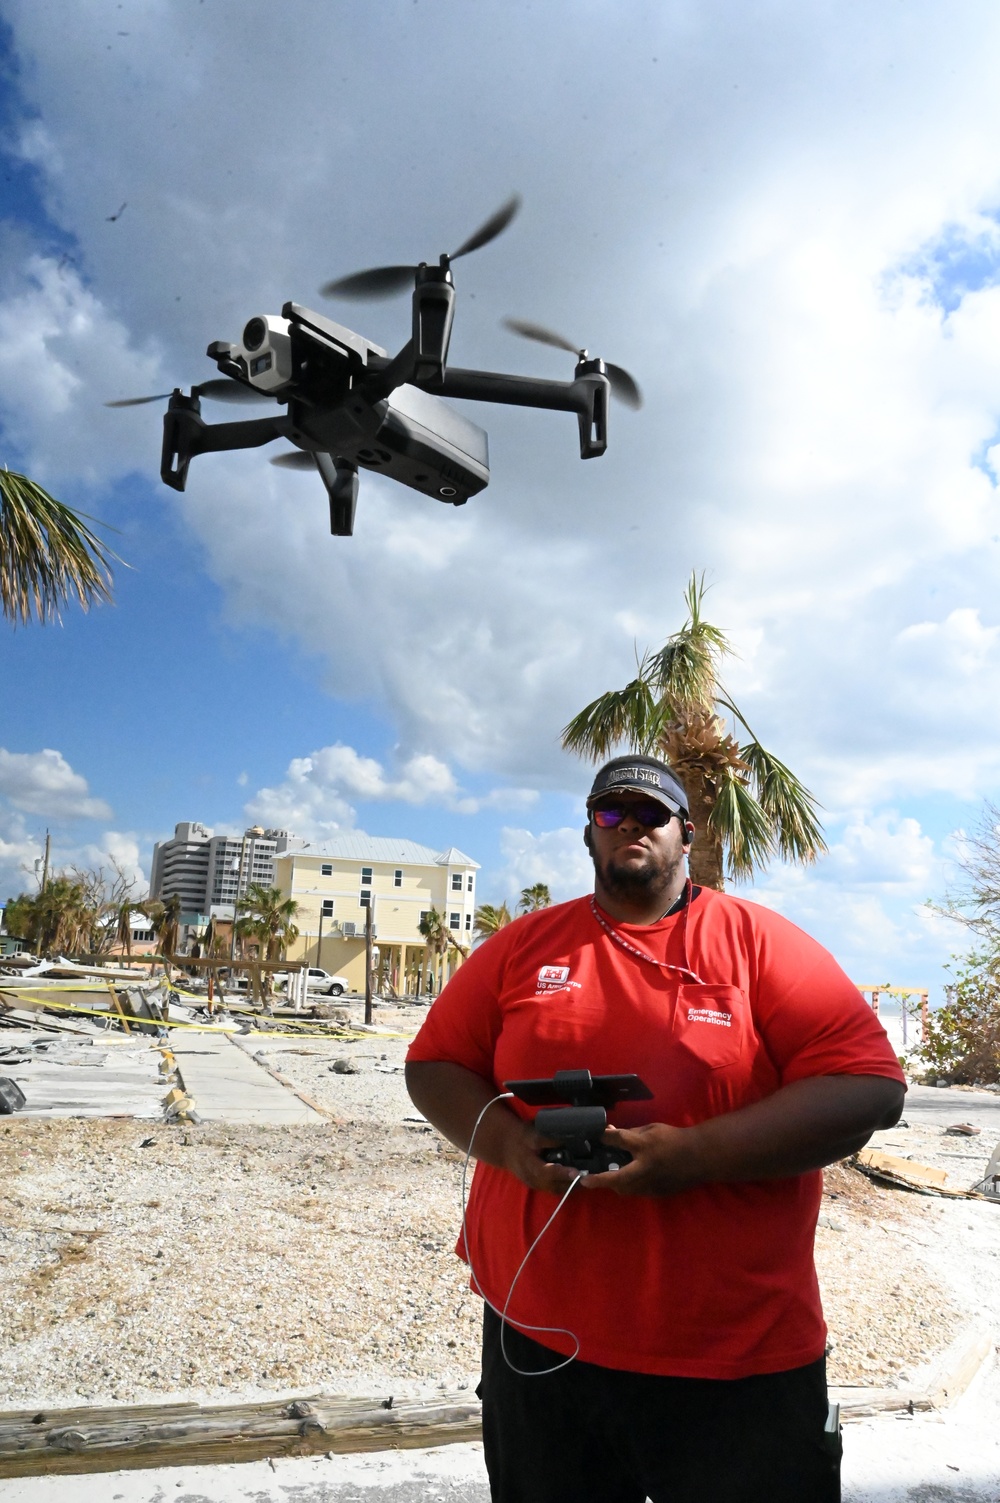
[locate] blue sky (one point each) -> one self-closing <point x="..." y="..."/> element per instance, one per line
<point x="782" y="218"/>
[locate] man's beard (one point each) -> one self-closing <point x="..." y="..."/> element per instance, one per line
<point x="644" y="881"/>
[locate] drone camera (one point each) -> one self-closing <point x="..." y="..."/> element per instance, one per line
<point x="265" y="353"/>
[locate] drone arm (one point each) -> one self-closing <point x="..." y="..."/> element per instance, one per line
<point x="587" y="397"/>
<point x="388" y="374"/>
<point x="185" y="434"/>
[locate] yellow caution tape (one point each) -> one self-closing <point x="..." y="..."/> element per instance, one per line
<point x="260" y="1033"/>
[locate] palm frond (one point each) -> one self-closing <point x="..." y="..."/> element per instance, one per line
<point x="621" y="717"/>
<point x="490" y="919"/>
<point x="48" y="554"/>
<point x="744" y="827"/>
<point x="685" y="670"/>
<point x="723" y="699"/>
<point x="787" y="804"/>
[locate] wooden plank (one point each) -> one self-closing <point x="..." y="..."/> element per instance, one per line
<point x="961" y="1366"/>
<point x="923" y="1175"/>
<point x="72" y="1441"/>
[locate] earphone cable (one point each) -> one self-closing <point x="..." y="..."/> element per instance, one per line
<point x="505" y="1319"/>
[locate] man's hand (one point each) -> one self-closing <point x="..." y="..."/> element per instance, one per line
<point x="804" y="1126"/>
<point x="664" y="1161"/>
<point x="452" y="1098"/>
<point x="523" y="1159"/>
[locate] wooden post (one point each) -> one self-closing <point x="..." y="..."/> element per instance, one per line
<point x="923" y="1017"/>
<point x="119" y="1009"/>
<point x="369" y="925"/>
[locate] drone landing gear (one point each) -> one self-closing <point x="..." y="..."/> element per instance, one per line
<point x="340" y="477"/>
<point x="185" y="434"/>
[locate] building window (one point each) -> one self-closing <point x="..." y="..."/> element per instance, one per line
<point x="326" y="870"/>
<point x="468" y="920"/>
<point x="397" y="878"/>
<point x="455" y="920"/>
<point x="469" y="882"/>
<point x="425" y="915"/>
<point x="456" y="881"/>
<point x="366" y="898"/>
<point x="366" y="876"/>
<point x="328" y="908"/>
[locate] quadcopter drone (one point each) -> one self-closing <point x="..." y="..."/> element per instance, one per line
<point x="351" y="406"/>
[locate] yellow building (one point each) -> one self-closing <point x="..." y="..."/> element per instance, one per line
<point x="333" y="884"/>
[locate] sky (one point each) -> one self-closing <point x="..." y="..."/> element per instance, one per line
<point x="782" y="217"/>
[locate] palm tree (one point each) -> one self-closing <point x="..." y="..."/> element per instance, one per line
<point x="48" y="554"/>
<point x="59" y="920"/>
<point x="489" y="920"/>
<point x="533" y="898"/>
<point x="439" y="940"/>
<point x="165" y="917"/>
<point x="746" y="806"/>
<point x="267" y="919"/>
<point x="123" y="927"/>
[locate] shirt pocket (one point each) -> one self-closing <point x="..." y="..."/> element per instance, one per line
<point x="710" y="1024"/>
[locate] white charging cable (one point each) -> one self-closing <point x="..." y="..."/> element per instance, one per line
<point x="505" y="1320"/>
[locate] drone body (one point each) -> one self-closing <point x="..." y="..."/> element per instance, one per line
<point x="349" y="406"/>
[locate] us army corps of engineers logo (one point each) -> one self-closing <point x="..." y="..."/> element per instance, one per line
<point x="555" y="978"/>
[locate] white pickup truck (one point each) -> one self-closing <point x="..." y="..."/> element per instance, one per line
<point x="330" y="986"/>
<point x="319" y="981"/>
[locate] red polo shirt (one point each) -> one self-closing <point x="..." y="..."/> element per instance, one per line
<point x="718" y="1281"/>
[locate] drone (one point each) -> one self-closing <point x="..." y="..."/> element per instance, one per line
<point x="351" y="406"/>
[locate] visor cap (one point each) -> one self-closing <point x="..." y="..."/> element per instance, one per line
<point x="638" y="774"/>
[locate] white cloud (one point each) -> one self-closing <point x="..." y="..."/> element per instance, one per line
<point x="866" y="900"/>
<point x="43" y="783"/>
<point x="62" y="355"/>
<point x="121" y="848"/>
<point x="556" y="857"/>
<point x="22" y="854"/>
<point x="804" y="279"/>
<point x="317" y="792"/>
<point x="18" y="853"/>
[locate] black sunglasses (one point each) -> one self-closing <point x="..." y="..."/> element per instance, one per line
<point x="651" y="815"/>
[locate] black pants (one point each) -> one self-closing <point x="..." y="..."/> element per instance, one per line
<point x="590" y="1434"/>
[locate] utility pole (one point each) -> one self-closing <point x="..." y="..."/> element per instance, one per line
<point x="369" y="928"/>
<point x="319" y="942"/>
<point x="45" y="864"/>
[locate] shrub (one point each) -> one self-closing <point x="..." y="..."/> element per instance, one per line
<point x="962" y="1044"/>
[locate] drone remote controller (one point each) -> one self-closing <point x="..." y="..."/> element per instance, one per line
<point x="577" y="1127"/>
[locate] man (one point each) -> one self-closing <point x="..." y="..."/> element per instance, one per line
<point x="684" y="1282"/>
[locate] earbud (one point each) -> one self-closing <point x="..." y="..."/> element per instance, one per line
<point x="688" y="832"/>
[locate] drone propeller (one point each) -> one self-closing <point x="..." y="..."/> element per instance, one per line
<point x="294" y="459"/>
<point x="621" y="383"/>
<point x="220" y="389"/>
<point x="387" y="281"/>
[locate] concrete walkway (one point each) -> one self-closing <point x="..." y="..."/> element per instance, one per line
<point x="229" y="1086"/>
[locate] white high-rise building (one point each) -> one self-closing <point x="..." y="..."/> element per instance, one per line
<point x="207" y="871"/>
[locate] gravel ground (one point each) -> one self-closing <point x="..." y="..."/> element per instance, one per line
<point x="227" y="1260"/>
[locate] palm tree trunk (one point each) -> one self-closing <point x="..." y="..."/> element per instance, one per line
<point x="705" y="860"/>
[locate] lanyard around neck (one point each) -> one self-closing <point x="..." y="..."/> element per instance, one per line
<point x="683" y="970"/>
